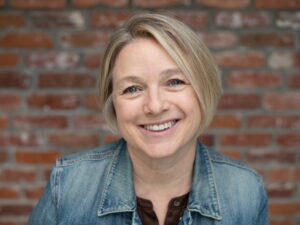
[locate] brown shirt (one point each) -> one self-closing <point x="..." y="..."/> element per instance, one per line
<point x="176" y="208"/>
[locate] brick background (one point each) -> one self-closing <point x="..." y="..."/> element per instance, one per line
<point x="50" y="52"/>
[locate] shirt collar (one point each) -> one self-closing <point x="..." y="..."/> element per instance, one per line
<point x="118" y="194"/>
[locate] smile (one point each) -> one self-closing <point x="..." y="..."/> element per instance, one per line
<point x="160" y="127"/>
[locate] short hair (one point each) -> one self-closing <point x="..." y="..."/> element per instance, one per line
<point x="182" y="44"/>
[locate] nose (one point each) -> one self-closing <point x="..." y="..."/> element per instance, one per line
<point x="155" y="102"/>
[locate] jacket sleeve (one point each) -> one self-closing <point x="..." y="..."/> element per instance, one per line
<point x="45" y="212"/>
<point x="263" y="218"/>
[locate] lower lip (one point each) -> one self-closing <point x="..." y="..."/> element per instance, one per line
<point x="160" y="132"/>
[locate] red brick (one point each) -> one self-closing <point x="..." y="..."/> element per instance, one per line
<point x="284" y="174"/>
<point x="2" y="2"/>
<point x="20" y="139"/>
<point x="219" y="39"/>
<point x="26" y="40"/>
<point x="91" y="102"/>
<point x="279" y="101"/>
<point x="275" y="221"/>
<point x="239" y="101"/>
<point x="15" y="209"/>
<point x="288" y="20"/>
<point x="9" y="59"/>
<point x="33" y="157"/>
<point x="9" y="192"/>
<point x="277" y="4"/>
<point x="7" y="222"/>
<point x="17" y="175"/>
<point x="34" y="193"/>
<point x="291" y="139"/>
<point x="294" y="81"/>
<point x="274" y="121"/>
<point x="207" y="139"/>
<point x="246" y="139"/>
<point x="11" y="20"/>
<point x="252" y="79"/>
<point x="280" y="190"/>
<point x="66" y="80"/>
<point x="284" y="208"/>
<point x="14" y="79"/>
<point x="85" y="39"/>
<point x="74" y="19"/>
<point x="243" y="19"/>
<point x="231" y="59"/>
<point x="38" y="4"/>
<point x="40" y="121"/>
<point x="231" y="4"/>
<point x="88" y="121"/>
<point x="3" y="157"/>
<point x="90" y="3"/>
<point x="105" y="18"/>
<point x="226" y="121"/>
<point x="160" y="3"/>
<point x="93" y="60"/>
<point x="269" y="156"/>
<point x="52" y="60"/>
<point x="233" y="154"/>
<point x="10" y="101"/>
<point x="74" y="140"/>
<point x="193" y="18"/>
<point x="4" y="121"/>
<point x="296" y="59"/>
<point x="111" y="137"/>
<point x="267" y="39"/>
<point x="53" y="101"/>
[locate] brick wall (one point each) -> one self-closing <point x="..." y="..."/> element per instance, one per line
<point x="49" y="57"/>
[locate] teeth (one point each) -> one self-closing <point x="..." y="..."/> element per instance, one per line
<point x="160" y="127"/>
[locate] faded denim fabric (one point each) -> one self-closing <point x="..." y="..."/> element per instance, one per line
<point x="96" y="187"/>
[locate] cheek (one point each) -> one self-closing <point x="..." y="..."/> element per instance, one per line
<point x="125" y="110"/>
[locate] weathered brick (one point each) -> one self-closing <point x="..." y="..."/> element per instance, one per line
<point x="252" y="79"/>
<point x="14" y="79"/>
<point x="239" y="101"/>
<point x="283" y="174"/>
<point x="246" y="139"/>
<point x="15" y="209"/>
<point x="233" y="59"/>
<point x="105" y="18"/>
<point x="39" y="4"/>
<point x="291" y="139"/>
<point x="6" y="222"/>
<point x="109" y="137"/>
<point x="40" y="121"/>
<point x="193" y="18"/>
<point x="296" y="57"/>
<point x="2" y="3"/>
<point x="9" y="192"/>
<point x="229" y="4"/>
<point x="34" y="157"/>
<point x="281" y="60"/>
<point x="160" y="3"/>
<point x="52" y="60"/>
<point x="85" y="39"/>
<point x="269" y="156"/>
<point x="243" y="19"/>
<point x="274" y="121"/>
<point x="23" y="139"/>
<point x="3" y="157"/>
<point x="232" y="153"/>
<point x="280" y="221"/>
<point x="17" y="175"/>
<point x="34" y="192"/>
<point x="4" y="121"/>
<point x="288" y="20"/>
<point x="280" y="190"/>
<point x="91" y="101"/>
<point x="226" y="121"/>
<point x="26" y="40"/>
<point x="294" y="81"/>
<point x="66" y="80"/>
<point x="9" y="59"/>
<point x="11" y="20"/>
<point x="219" y="39"/>
<point x="284" y="208"/>
<point x="267" y="39"/>
<point x="10" y="101"/>
<point x="280" y="101"/>
<point x="73" y="19"/>
<point x="90" y="3"/>
<point x="74" y="140"/>
<point x="277" y="4"/>
<point x="53" y="101"/>
<point x="207" y="139"/>
<point x="88" y="121"/>
<point x="93" y="60"/>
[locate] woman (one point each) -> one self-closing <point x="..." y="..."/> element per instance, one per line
<point x="159" y="88"/>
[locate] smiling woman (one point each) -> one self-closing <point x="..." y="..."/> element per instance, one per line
<point x="159" y="88"/>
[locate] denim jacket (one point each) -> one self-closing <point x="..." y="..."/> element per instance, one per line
<point x="96" y="187"/>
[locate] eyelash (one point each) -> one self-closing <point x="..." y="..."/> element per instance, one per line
<point x="129" y="90"/>
<point x="178" y="82"/>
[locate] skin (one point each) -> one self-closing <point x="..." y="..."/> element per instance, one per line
<point x="149" y="89"/>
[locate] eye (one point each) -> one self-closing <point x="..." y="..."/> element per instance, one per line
<point x="175" y="82"/>
<point x="131" y="90"/>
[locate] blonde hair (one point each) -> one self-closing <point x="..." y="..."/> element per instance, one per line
<point x="184" y="47"/>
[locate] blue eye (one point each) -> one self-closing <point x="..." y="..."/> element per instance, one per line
<point x="131" y="90"/>
<point x="175" y="82"/>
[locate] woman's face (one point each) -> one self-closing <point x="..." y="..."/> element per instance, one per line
<point x="157" y="110"/>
